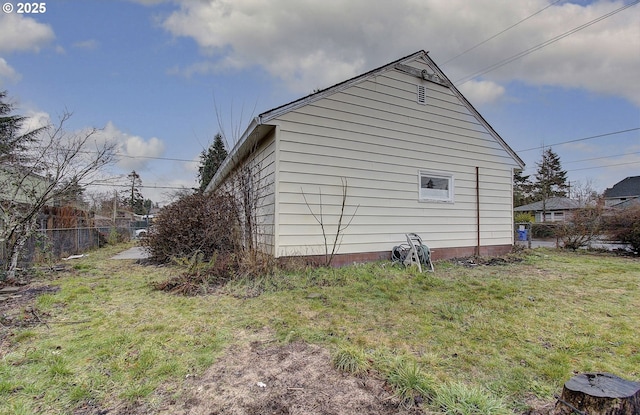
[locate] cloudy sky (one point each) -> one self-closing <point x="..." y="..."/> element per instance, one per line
<point x="161" y="78"/>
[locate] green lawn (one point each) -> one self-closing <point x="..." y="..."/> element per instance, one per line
<point x="514" y="331"/>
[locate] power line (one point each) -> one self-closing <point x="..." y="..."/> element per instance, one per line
<point x="122" y="155"/>
<point x="606" y="165"/>
<point x="579" y="139"/>
<point x="156" y="158"/>
<point x="599" y="167"/>
<point x="501" y="32"/>
<point x="541" y="45"/>
<point x="603" y="157"/>
<point x="144" y="186"/>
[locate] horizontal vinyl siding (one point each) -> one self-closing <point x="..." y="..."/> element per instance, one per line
<point x="378" y="137"/>
<point x="264" y="163"/>
<point x="261" y="164"/>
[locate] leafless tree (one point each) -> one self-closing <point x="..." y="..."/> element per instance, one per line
<point x="584" y="192"/>
<point x="340" y="227"/>
<point x="177" y="194"/>
<point x="581" y="229"/>
<point x="244" y="181"/>
<point x="41" y="175"/>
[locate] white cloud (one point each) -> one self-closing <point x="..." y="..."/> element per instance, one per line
<point x="35" y="119"/>
<point x="482" y="92"/>
<point x="309" y="44"/>
<point x="148" y="2"/>
<point x="23" y="33"/>
<point x="89" y="44"/>
<point x="135" y="151"/>
<point x="7" y="72"/>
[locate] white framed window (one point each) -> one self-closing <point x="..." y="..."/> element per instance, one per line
<point x="435" y="186"/>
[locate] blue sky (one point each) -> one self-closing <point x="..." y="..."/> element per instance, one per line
<point x="162" y="77"/>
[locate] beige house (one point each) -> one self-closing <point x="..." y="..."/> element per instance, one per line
<point x="21" y="186"/>
<point x="554" y="209"/>
<point x="415" y="156"/>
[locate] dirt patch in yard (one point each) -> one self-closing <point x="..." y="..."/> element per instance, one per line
<point x="293" y="379"/>
<point x="17" y="309"/>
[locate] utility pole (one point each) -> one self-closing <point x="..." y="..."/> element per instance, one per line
<point x="135" y="180"/>
<point x="115" y="205"/>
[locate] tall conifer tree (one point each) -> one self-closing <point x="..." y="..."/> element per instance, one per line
<point x="551" y="180"/>
<point x="210" y="161"/>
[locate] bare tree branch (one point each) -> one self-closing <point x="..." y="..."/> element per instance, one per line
<point x="54" y="161"/>
<point x="337" y="240"/>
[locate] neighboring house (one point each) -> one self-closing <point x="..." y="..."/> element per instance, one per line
<point x="416" y="157"/>
<point x="556" y="209"/>
<point x="623" y="193"/>
<point x="21" y="187"/>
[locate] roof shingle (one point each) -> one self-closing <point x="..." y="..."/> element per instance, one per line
<point x="629" y="187"/>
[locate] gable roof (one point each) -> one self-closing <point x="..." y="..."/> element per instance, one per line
<point x="259" y="126"/>
<point x="553" y="203"/>
<point x="629" y="187"/>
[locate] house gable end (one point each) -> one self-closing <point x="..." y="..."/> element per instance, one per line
<point x="629" y="187"/>
<point x="418" y="65"/>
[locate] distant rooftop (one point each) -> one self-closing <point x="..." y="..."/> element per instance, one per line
<point x="629" y="187"/>
<point x="553" y="203"/>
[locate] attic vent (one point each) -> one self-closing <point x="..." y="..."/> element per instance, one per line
<point x="422" y="95"/>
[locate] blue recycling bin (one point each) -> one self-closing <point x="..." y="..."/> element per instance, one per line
<point x="522" y="234"/>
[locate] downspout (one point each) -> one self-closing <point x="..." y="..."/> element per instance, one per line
<point x="478" y="210"/>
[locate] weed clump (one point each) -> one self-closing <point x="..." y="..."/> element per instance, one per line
<point x="459" y="399"/>
<point x="409" y="382"/>
<point x="201" y="275"/>
<point x="198" y="276"/>
<point x="350" y="359"/>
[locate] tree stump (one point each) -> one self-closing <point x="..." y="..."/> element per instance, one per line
<point x="599" y="394"/>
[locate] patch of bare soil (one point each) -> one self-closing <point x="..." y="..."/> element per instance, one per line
<point x="488" y="261"/>
<point x="294" y="379"/>
<point x="17" y="310"/>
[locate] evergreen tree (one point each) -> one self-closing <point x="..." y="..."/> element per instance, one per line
<point x="210" y="161"/>
<point x="133" y="196"/>
<point x="12" y="143"/>
<point x="551" y="180"/>
<point x="522" y="189"/>
<point x="73" y="193"/>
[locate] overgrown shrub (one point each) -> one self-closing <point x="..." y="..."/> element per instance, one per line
<point x="198" y="223"/>
<point x="523" y="217"/>
<point x="543" y="230"/>
<point x="583" y="227"/>
<point x="118" y="235"/>
<point x="624" y="226"/>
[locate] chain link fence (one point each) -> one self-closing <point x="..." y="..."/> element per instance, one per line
<point x="53" y="244"/>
